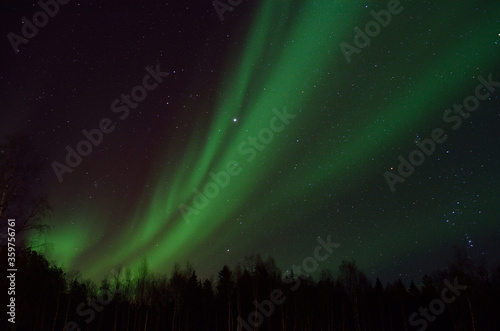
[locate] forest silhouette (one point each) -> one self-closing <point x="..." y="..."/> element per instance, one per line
<point x="246" y="298"/>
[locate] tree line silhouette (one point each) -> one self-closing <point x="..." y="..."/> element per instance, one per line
<point x="245" y="298"/>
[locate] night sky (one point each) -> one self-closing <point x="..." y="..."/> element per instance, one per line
<point x="290" y="137"/>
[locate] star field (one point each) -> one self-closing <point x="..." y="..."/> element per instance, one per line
<point x="317" y="173"/>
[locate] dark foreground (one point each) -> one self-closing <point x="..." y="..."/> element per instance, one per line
<point x="253" y="296"/>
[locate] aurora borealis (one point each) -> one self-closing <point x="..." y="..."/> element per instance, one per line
<point x="317" y="172"/>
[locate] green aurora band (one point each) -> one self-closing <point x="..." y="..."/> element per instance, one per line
<point x="292" y="60"/>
